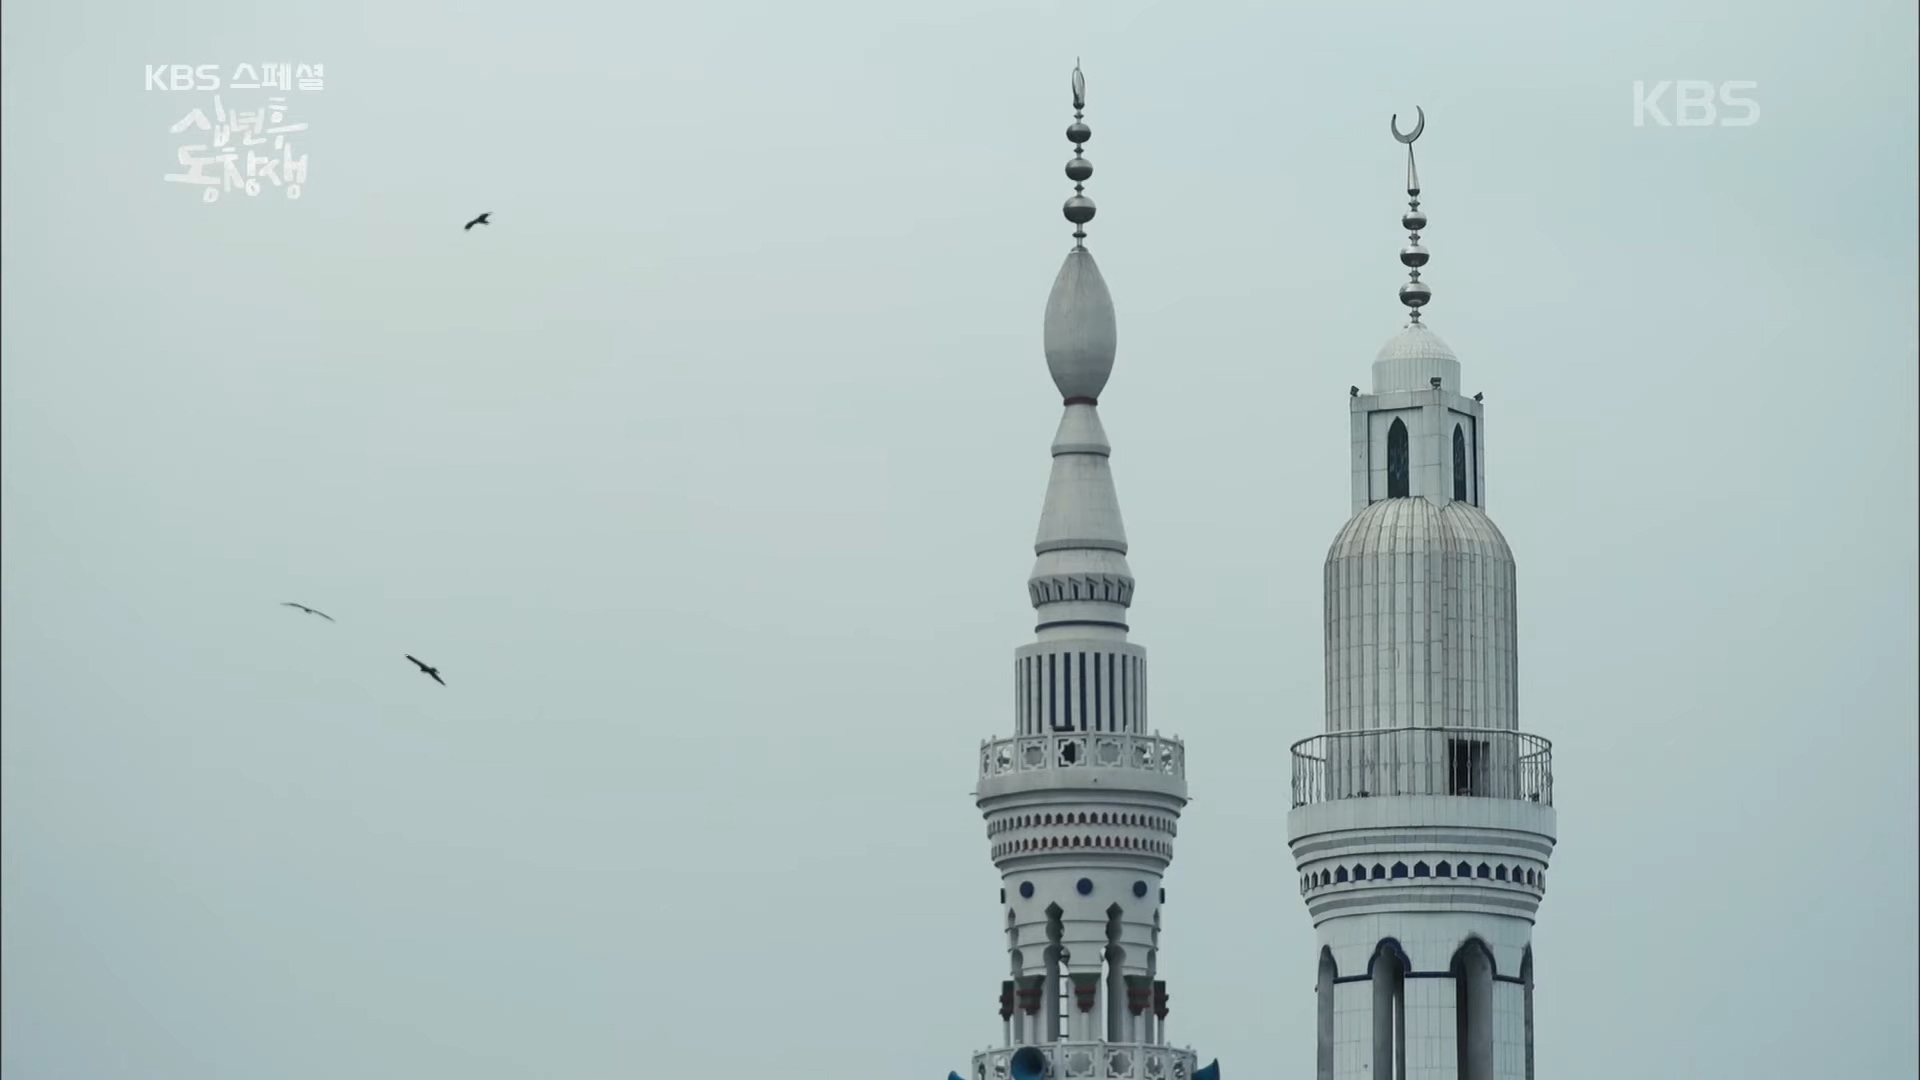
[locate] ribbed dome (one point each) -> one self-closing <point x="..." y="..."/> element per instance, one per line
<point x="1420" y="620"/>
<point x="1416" y="526"/>
<point x="1411" y="358"/>
<point x="1416" y="342"/>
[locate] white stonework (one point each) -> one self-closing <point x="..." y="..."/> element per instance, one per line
<point x="1082" y="802"/>
<point x="1422" y="819"/>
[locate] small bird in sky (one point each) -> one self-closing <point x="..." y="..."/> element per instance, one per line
<point x="1480" y="396"/>
<point x="434" y="672"/>
<point x="305" y="608"/>
<point x="481" y="220"/>
<point x="1353" y="391"/>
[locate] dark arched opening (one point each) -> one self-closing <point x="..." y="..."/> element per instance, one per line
<point x="1397" y="469"/>
<point x="1526" y="984"/>
<point x="1459" y="464"/>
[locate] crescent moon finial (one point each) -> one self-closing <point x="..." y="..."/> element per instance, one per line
<point x="1415" y="293"/>
<point x="1419" y="126"/>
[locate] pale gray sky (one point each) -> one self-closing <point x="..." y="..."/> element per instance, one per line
<point x="708" y="476"/>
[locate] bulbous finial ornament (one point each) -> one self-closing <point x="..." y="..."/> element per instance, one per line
<point x="1079" y="209"/>
<point x="1415" y="293"/>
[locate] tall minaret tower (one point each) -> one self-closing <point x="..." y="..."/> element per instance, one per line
<point x="1423" y="818"/>
<point x="1082" y="801"/>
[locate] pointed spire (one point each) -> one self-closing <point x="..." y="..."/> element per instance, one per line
<point x="1415" y="292"/>
<point x="1080" y="576"/>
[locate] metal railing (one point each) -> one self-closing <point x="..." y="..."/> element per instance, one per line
<point x="1472" y="762"/>
<point x="1096" y="1061"/>
<point x="1083" y="750"/>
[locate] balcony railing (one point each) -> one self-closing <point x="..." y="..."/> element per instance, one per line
<point x="1472" y="762"/>
<point x="1082" y="750"/>
<point x="1095" y="1061"/>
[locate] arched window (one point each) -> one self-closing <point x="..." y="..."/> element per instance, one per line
<point x="1459" y="464"/>
<point x="1397" y="461"/>
<point x="1526" y="980"/>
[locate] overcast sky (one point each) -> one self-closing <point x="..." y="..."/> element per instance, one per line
<point x="708" y="474"/>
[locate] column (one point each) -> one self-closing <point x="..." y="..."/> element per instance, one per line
<point x="1006" y="1013"/>
<point x="1086" y="997"/>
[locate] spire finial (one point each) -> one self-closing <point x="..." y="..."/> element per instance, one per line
<point x="1415" y="292"/>
<point x="1079" y="209"/>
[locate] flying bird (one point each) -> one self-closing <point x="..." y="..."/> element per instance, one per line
<point x="1353" y="391"/>
<point x="305" y="608"/>
<point x="1480" y="396"/>
<point x="481" y="220"/>
<point x="433" y="672"/>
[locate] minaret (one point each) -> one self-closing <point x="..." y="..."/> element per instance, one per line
<point x="1423" y="817"/>
<point x="1082" y="801"/>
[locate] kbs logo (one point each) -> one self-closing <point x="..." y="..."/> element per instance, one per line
<point x="272" y="75"/>
<point x="1696" y="103"/>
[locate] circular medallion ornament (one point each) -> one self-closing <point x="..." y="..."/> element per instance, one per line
<point x="1085" y="886"/>
<point x="1026" y="890"/>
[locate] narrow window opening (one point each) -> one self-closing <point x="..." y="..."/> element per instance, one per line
<point x="1526" y="984"/>
<point x="1053" y="693"/>
<point x="1099" y="713"/>
<point x="1443" y="870"/>
<point x="1113" y="702"/>
<point x="1397" y="469"/>
<point x="1459" y="464"/>
<point x="1082" y="669"/>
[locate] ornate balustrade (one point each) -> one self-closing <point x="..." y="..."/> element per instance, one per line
<point x="1083" y="750"/>
<point x="1471" y="762"/>
<point x="1095" y="1061"/>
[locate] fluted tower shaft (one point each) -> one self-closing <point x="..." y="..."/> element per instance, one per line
<point x="1422" y="818"/>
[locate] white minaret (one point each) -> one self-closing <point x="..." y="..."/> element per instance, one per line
<point x="1083" y="800"/>
<point x="1423" y="818"/>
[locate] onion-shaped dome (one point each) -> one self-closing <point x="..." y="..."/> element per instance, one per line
<point x="1420" y="619"/>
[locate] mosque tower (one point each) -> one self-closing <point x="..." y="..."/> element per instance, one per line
<point x="1422" y="819"/>
<point x="1082" y="801"/>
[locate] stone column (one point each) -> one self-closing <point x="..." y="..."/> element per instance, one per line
<point x="1384" y="968"/>
<point x="1028" y="994"/>
<point x="1160" y="1012"/>
<point x="1476" y="1030"/>
<point x="1086" y="995"/>
<point x="1006" y="1012"/>
<point x="1139" y="1000"/>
